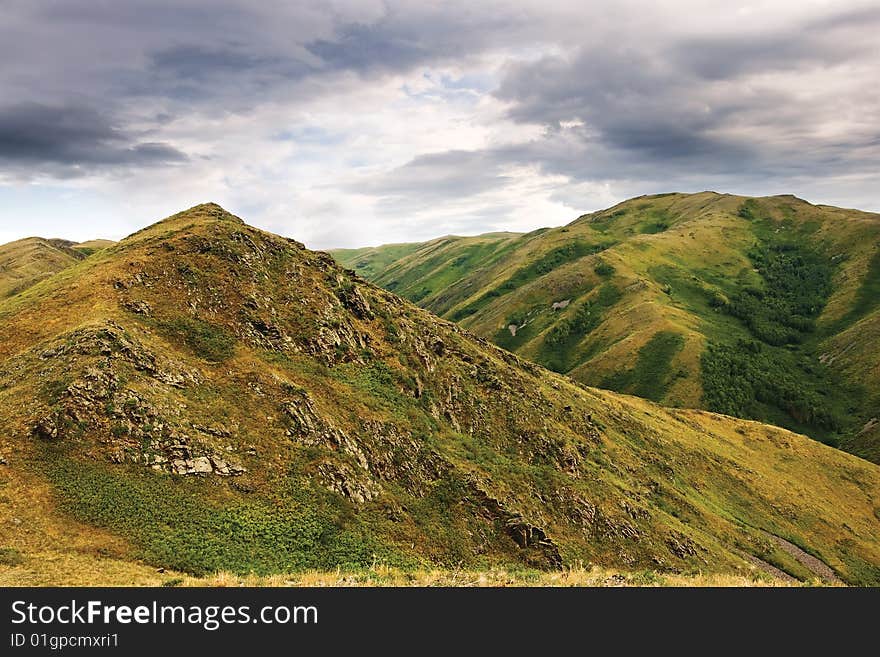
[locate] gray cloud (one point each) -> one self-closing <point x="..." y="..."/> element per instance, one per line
<point x="832" y="41"/>
<point x="198" y="64"/>
<point x="180" y="58"/>
<point x="699" y="107"/>
<point x="368" y="47"/>
<point x="203" y="75"/>
<point x="438" y="177"/>
<point x="410" y="34"/>
<point x="724" y="111"/>
<point x="64" y="137"/>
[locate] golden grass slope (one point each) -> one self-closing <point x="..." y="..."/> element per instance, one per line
<point x="28" y="261"/>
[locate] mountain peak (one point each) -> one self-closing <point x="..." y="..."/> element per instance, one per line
<point x="206" y="212"/>
<point x="202" y="214"/>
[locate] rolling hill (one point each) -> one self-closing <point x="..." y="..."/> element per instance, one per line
<point x="762" y="308"/>
<point x="30" y="260"/>
<point x="204" y="396"/>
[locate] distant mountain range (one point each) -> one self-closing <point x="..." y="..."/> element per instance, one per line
<point x="762" y="308"/>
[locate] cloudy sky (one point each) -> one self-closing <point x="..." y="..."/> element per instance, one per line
<point x="356" y="122"/>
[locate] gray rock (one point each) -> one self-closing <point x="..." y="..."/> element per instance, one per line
<point x="46" y="428"/>
<point x="202" y="465"/>
<point x="138" y="307"/>
<point x="221" y="467"/>
<point x="225" y="469"/>
<point x="344" y="480"/>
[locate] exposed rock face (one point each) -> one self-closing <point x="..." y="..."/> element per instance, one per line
<point x="344" y="480"/>
<point x="133" y="428"/>
<point x="525" y="534"/>
<point x="351" y="298"/>
<point x="113" y="342"/>
<point x="378" y="451"/>
<point x="197" y="465"/>
<point x="138" y="307"/>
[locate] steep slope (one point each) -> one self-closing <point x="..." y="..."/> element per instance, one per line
<point x="762" y="308"/>
<point x="28" y="261"/>
<point x="205" y="396"/>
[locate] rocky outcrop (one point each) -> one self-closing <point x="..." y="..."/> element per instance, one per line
<point x="138" y="307"/>
<point x="527" y="535"/>
<point x="132" y="427"/>
<point x="337" y="341"/>
<point x="379" y="451"/>
<point x="199" y="465"/>
<point x="348" y="482"/>
<point x="393" y="454"/>
<point x="112" y="342"/>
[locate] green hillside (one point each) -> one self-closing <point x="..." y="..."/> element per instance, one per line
<point x="762" y="308"/>
<point x="204" y="396"/>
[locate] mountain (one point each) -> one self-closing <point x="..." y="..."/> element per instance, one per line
<point x="205" y="396"/>
<point x="89" y="247"/>
<point x="28" y="261"/>
<point x="762" y="308"/>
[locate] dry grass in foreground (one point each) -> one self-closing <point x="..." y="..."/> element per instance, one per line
<point x="588" y="577"/>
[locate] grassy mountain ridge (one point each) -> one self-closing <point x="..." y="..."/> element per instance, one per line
<point x="28" y="261"/>
<point x="762" y="308"/>
<point x="205" y="396"/>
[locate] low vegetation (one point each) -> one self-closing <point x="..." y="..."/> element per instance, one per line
<point x="751" y="380"/>
<point x="541" y="266"/>
<point x="650" y="378"/>
<point x="593" y="576"/>
<point x="172" y="523"/>
<point x="772" y="287"/>
<point x="797" y="283"/>
<point x="868" y="295"/>
<point x="775" y="374"/>
<point x="10" y="557"/>
<point x="558" y="351"/>
<point x="206" y="340"/>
